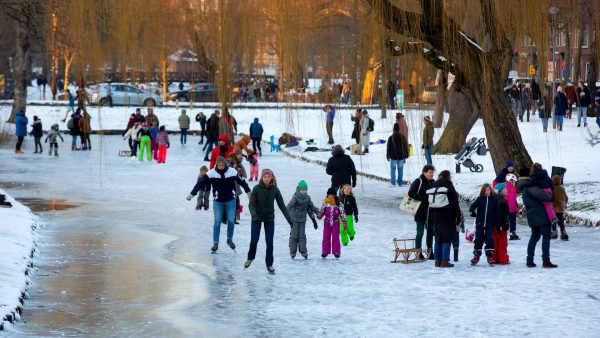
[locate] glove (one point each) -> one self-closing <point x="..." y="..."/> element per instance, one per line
<point x="473" y="214"/>
<point x="355" y="218"/>
<point x="315" y="224"/>
<point x="189" y="197"/>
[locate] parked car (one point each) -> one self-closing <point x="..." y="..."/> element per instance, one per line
<point x="123" y="95"/>
<point x="7" y="92"/>
<point x="428" y="95"/>
<point x="201" y="92"/>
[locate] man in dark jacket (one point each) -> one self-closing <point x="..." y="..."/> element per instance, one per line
<point x="533" y="198"/>
<point x="341" y="168"/>
<point x="561" y="106"/>
<point x="201" y="118"/>
<point x="212" y="133"/>
<point x="256" y="132"/>
<point x="583" y="100"/>
<point x="536" y="95"/>
<point x="397" y="153"/>
<point x="423" y="217"/>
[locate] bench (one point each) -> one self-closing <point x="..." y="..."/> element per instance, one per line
<point x="406" y="249"/>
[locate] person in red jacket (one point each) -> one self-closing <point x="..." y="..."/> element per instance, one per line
<point x="224" y="149"/>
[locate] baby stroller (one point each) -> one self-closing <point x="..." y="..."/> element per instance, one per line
<point x="463" y="157"/>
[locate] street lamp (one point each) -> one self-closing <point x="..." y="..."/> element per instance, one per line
<point x="553" y="11"/>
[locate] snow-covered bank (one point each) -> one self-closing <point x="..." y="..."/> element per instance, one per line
<point x="17" y="234"/>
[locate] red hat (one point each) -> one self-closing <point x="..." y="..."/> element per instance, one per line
<point x="223" y="138"/>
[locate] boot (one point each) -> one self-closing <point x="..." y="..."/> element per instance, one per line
<point x="231" y="245"/>
<point x="531" y="265"/>
<point x="490" y="257"/>
<point x="324" y="255"/>
<point x="554" y="234"/>
<point x="476" y="255"/>
<point x="293" y="255"/>
<point x="456" y="254"/>
<point x="215" y="247"/>
<point x="430" y="255"/>
<point x="41" y="150"/>
<point x="304" y="254"/>
<point x="271" y="270"/>
<point x="514" y="236"/>
<point x="56" y="153"/>
<point x="247" y="264"/>
<point x="438" y="263"/>
<point x="564" y="236"/>
<point x="548" y="264"/>
<point x="446" y="264"/>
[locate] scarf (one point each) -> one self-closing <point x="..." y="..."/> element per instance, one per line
<point x="330" y="200"/>
<point x="300" y="196"/>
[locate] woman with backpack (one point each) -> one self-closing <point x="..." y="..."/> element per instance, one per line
<point x="443" y="204"/>
<point x="365" y="131"/>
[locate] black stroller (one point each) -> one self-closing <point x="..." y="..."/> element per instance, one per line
<point x="463" y="157"/>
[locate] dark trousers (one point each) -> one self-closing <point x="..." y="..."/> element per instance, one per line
<point x="183" y="136"/>
<point x="420" y="232"/>
<point x="255" y="236"/>
<point x="38" y="143"/>
<point x="256" y="145"/>
<point x="442" y="251"/>
<point x="329" y="127"/>
<point x="484" y="234"/>
<point x="560" y="217"/>
<point x="209" y="147"/>
<point x="512" y="221"/>
<point x="136" y="145"/>
<point x="130" y="142"/>
<point x="537" y="232"/>
<point x="85" y="140"/>
<point x="19" y="143"/>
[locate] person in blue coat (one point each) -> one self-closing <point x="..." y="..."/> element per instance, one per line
<point x="21" y="129"/>
<point x="256" y="132"/>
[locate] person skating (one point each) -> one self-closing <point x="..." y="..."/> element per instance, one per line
<point x="423" y="217"/>
<point x="37" y="132"/>
<point x="224" y="149"/>
<point x="513" y="207"/>
<point x="341" y="168"/>
<point x="299" y="207"/>
<point x="222" y="180"/>
<point x="162" y="141"/>
<point x="52" y="136"/>
<point x="212" y="134"/>
<point x="151" y="117"/>
<point x="262" y="208"/>
<point x="500" y="230"/>
<point x="253" y="162"/>
<point x="444" y="221"/>
<point x="243" y="143"/>
<point x="71" y="105"/>
<point x="560" y="205"/>
<point x="154" y="130"/>
<point x="85" y="129"/>
<point x="184" y="125"/>
<point x="201" y="118"/>
<point x="130" y="124"/>
<point x="20" y="129"/>
<point x="143" y="135"/>
<point x="202" y="188"/>
<point x="256" y="132"/>
<point x="351" y="210"/>
<point x="133" y="135"/>
<point x="485" y="209"/>
<point x="73" y="126"/>
<point x="335" y="216"/>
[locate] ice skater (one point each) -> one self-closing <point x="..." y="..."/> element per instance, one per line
<point x="334" y="214"/>
<point x="202" y="188"/>
<point x="351" y="209"/>
<point x="253" y="160"/>
<point x="52" y="136"/>
<point x="299" y="207"/>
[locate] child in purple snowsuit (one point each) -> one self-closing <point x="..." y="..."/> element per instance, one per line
<point x="333" y="212"/>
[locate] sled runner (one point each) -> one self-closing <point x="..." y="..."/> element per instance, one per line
<point x="406" y="249"/>
<point x="124" y="153"/>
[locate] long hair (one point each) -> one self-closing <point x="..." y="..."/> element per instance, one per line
<point x="484" y="188"/>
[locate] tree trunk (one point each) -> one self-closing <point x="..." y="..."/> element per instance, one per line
<point x="577" y="57"/>
<point x="20" y="74"/>
<point x="163" y="69"/>
<point x="440" y="99"/>
<point x="68" y="61"/>
<point x="463" y="115"/>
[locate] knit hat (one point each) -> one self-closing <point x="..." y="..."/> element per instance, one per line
<point x="302" y="185"/>
<point x="223" y="138"/>
<point x="511" y="177"/>
<point x="221" y="159"/>
<point x="266" y="172"/>
<point x="509" y="163"/>
<point x="331" y="191"/>
<point x="499" y="186"/>
<point x="427" y="119"/>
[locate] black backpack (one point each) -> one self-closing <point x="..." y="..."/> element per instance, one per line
<point x="371" y="126"/>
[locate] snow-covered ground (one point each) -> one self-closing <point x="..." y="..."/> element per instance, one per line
<point x="568" y="149"/>
<point x="16" y="245"/>
<point x="130" y="206"/>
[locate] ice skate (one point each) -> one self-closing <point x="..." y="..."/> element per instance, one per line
<point x="247" y="264"/>
<point x="514" y="236"/>
<point x="231" y="244"/>
<point x="215" y="247"/>
<point x="271" y="270"/>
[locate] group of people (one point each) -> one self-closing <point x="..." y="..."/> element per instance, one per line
<point x="145" y="136"/>
<point x="37" y="132"/>
<point x="495" y="212"/>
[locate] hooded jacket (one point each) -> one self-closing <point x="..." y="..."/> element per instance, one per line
<point x="560" y="195"/>
<point x="243" y="144"/>
<point x="220" y="150"/>
<point x="21" y="124"/>
<point x="262" y="202"/>
<point x="256" y="130"/>
<point x="341" y="168"/>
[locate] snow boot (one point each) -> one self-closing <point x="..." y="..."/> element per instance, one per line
<point x="231" y="245"/>
<point x="336" y="256"/>
<point x="547" y="264"/>
<point x="446" y="264"/>
<point x="215" y="247"/>
<point x="438" y="263"/>
<point x="514" y="236"/>
<point x="271" y="270"/>
<point x="293" y="255"/>
<point x="564" y="236"/>
<point x="324" y="255"/>
<point x="476" y="255"/>
<point x="247" y="264"/>
<point x="456" y="254"/>
<point x="531" y="265"/>
<point x="491" y="260"/>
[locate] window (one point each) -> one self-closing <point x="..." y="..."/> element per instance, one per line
<point x="561" y="39"/>
<point x="586" y="38"/>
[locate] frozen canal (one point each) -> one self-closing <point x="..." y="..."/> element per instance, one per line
<point x="133" y="259"/>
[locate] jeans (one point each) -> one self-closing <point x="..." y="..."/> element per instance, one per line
<point x="581" y="111"/>
<point x="428" y="150"/>
<point x="559" y="121"/>
<point x="255" y="236"/>
<point x="220" y="208"/>
<point x="545" y="124"/>
<point x="209" y="147"/>
<point x="537" y="232"/>
<point x="393" y="165"/>
<point x="419" y="237"/>
<point x="183" y="136"/>
<point x="74" y="140"/>
<point x="442" y="251"/>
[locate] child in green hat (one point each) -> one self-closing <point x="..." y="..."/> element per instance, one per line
<point x="299" y="206"/>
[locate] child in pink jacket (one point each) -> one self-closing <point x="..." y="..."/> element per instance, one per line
<point x="513" y="207"/>
<point x="253" y="160"/>
<point x="333" y="211"/>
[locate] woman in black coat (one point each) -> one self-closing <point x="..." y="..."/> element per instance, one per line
<point x="444" y="220"/>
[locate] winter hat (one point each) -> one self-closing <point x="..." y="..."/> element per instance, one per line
<point x="499" y="186"/>
<point x="183" y="111"/>
<point x="427" y="119"/>
<point x="35" y="118"/>
<point x="221" y="159"/>
<point x="302" y="185"/>
<point x="331" y="191"/>
<point x="509" y="163"/>
<point x="266" y="172"/>
<point x="223" y="138"/>
<point x="511" y="177"/>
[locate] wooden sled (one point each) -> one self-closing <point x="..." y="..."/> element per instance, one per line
<point x="406" y="249"/>
<point x="124" y="153"/>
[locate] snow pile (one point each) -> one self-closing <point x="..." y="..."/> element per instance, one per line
<point x="16" y="248"/>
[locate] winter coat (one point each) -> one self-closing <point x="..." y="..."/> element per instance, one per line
<point x="262" y="202"/>
<point x="202" y="184"/>
<point x="21" y="124"/>
<point x="560" y="195"/>
<point x="419" y="194"/>
<point x="365" y="134"/>
<point x="585" y="99"/>
<point x="85" y="123"/>
<point x="220" y="151"/>
<point x="349" y="203"/>
<point x="560" y="104"/>
<point x="162" y="138"/>
<point x="132" y="132"/>
<point x="130" y="124"/>
<point x="184" y="121"/>
<point x="243" y="144"/>
<point x="256" y="130"/>
<point x="533" y="198"/>
<point x="428" y="134"/>
<point x="212" y="128"/>
<point x="75" y="130"/>
<point x="570" y="92"/>
<point x="53" y="135"/>
<point x="503" y="210"/>
<point x="341" y="168"/>
<point x="536" y="94"/>
<point x="201" y="118"/>
<point x="152" y="118"/>
<point x="332" y="213"/>
<point x="223" y="183"/>
<point x="501" y="178"/>
<point x="153" y="132"/>
<point x="511" y="198"/>
<point x="356" y="129"/>
<point x="546" y="112"/>
<point x="300" y="206"/>
<point x="445" y="219"/>
<point x="487" y="211"/>
<point x="140" y="118"/>
<point x="144" y="131"/>
<point x="397" y="147"/>
<point x="36" y="129"/>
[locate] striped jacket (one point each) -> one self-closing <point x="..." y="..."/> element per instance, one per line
<point x="223" y="183"/>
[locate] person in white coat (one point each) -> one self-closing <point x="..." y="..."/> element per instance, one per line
<point x="364" y="131"/>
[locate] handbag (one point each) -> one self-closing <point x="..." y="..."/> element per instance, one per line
<point x="410" y="205"/>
